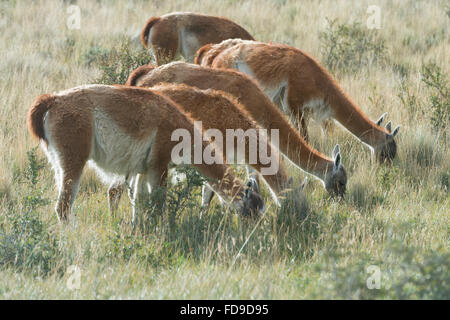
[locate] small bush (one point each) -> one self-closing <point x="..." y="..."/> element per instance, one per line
<point x="117" y="63"/>
<point x="350" y="47"/>
<point x="180" y="195"/>
<point x="408" y="99"/>
<point x="166" y="204"/>
<point x="94" y="55"/>
<point x="158" y="239"/>
<point x="25" y="241"/>
<point x="416" y="274"/>
<point x="405" y="273"/>
<point x="437" y="82"/>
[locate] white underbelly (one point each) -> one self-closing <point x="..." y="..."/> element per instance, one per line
<point x="115" y="154"/>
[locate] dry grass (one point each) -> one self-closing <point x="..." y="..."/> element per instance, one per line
<point x="395" y="217"/>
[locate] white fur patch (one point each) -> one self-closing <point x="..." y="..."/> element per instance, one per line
<point x="116" y="155"/>
<point x="187" y="44"/>
<point x="52" y="153"/>
<point x="243" y="67"/>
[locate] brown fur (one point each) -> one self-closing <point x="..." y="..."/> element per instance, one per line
<point x="166" y="31"/>
<point x="272" y="64"/>
<point x="255" y="102"/>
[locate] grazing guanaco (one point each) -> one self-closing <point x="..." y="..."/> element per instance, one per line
<point x="248" y="93"/>
<point x="123" y="132"/>
<point x="301" y="86"/>
<point x="220" y="111"/>
<point x="184" y="33"/>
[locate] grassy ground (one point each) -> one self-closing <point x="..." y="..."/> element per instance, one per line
<point x="395" y="218"/>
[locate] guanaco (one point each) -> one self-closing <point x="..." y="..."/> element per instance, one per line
<point x="301" y="86"/>
<point x="184" y="33"/>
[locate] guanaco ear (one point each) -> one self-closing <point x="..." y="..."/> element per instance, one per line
<point x="381" y="119"/>
<point x="252" y="185"/>
<point x="395" y="131"/>
<point x="337" y="161"/>
<point x="389" y="127"/>
<point x="336" y="156"/>
<point x="336" y="151"/>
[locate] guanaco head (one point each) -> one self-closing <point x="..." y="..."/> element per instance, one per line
<point x="387" y="150"/>
<point x="336" y="178"/>
<point x="253" y="204"/>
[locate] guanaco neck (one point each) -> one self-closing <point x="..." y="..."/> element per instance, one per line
<point x="347" y="113"/>
<point x="291" y="143"/>
<point x="294" y="147"/>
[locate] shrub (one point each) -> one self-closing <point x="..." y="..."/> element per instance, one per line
<point x="94" y="55"/>
<point x="350" y="47"/>
<point x="405" y="273"/>
<point x="437" y="83"/>
<point x="25" y="241"/>
<point x="179" y="195"/>
<point x="117" y="63"/>
<point x="418" y="275"/>
<point x="408" y="99"/>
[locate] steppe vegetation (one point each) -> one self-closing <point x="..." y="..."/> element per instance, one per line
<point x="394" y="217"/>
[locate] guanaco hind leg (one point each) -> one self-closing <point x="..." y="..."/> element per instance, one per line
<point x="145" y="186"/>
<point x="69" y="158"/>
<point x="67" y="193"/>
